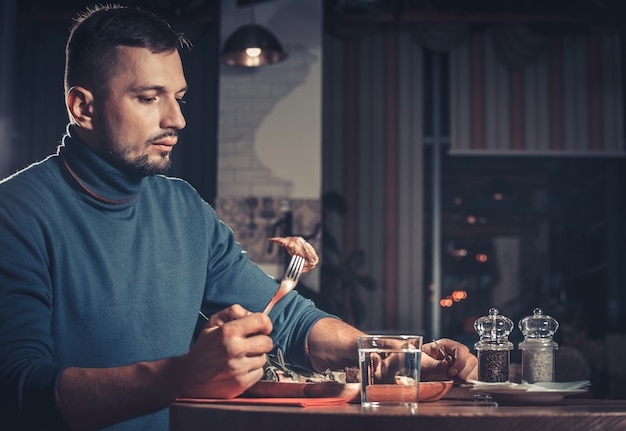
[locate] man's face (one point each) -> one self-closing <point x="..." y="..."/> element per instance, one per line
<point x="139" y="116"/>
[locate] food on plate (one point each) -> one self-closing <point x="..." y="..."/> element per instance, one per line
<point x="298" y="245"/>
<point x="353" y="375"/>
<point x="281" y="381"/>
<point x="276" y="370"/>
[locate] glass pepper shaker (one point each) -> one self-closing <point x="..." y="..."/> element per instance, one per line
<point x="538" y="348"/>
<point x="494" y="348"/>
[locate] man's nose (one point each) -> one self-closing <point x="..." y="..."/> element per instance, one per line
<point x="173" y="117"/>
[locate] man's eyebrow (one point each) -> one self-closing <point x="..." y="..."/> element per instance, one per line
<point x="158" y="88"/>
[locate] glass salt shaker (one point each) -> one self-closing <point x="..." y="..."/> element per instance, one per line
<point x="538" y="348"/>
<point x="494" y="348"/>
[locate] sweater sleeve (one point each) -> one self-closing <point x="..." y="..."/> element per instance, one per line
<point x="28" y="375"/>
<point x="232" y="278"/>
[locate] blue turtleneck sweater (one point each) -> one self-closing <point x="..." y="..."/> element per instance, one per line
<point x="99" y="268"/>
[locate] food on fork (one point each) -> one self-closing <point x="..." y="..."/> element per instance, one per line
<point x="298" y="245"/>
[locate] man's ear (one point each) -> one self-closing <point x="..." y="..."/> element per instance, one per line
<point x="80" y="106"/>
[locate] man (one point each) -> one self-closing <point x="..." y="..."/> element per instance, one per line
<point x="105" y="263"/>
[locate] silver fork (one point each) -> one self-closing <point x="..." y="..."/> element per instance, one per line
<point x="446" y="356"/>
<point x="288" y="282"/>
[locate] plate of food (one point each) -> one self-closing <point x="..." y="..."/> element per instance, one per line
<point x="281" y="381"/>
<point x="429" y="391"/>
<point x="295" y="389"/>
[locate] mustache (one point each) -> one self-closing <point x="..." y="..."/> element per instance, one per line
<point x="166" y="134"/>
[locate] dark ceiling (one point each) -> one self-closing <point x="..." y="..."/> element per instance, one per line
<point x="62" y="10"/>
<point x="574" y="12"/>
<point x="578" y="11"/>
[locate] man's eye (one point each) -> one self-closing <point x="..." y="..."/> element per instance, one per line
<point x="181" y="101"/>
<point x="146" y="99"/>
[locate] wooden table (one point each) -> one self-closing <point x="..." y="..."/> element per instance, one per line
<point x="443" y="415"/>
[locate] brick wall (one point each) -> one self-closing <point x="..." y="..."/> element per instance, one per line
<point x="269" y="129"/>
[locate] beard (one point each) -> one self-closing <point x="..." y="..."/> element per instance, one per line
<point x="122" y="156"/>
<point x="138" y="165"/>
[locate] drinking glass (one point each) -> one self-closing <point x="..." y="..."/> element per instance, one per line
<point x="390" y="369"/>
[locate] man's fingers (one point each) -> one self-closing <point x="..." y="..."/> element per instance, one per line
<point x="450" y="359"/>
<point x="233" y="312"/>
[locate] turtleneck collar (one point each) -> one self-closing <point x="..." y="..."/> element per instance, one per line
<point x="96" y="177"/>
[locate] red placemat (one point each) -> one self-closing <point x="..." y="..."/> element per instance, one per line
<point x="298" y="402"/>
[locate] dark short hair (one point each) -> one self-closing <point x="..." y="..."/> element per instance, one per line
<point x="91" y="47"/>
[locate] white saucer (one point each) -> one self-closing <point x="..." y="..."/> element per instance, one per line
<point x="530" y="394"/>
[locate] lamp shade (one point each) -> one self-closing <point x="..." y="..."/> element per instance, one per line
<point x="252" y="46"/>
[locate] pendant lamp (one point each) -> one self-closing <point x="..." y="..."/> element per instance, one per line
<point x="252" y="45"/>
